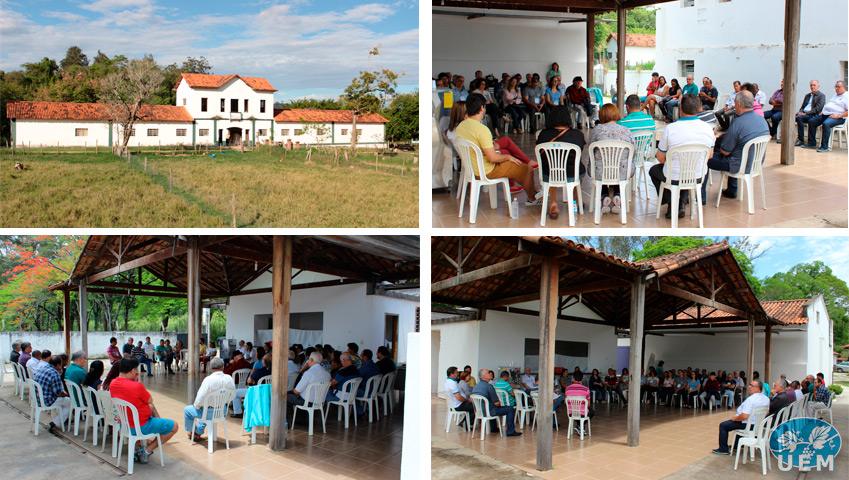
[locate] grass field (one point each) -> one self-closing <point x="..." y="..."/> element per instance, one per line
<point x="263" y="188"/>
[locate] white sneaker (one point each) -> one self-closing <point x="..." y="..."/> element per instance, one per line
<point x="605" y="205"/>
<point x="617" y="205"/>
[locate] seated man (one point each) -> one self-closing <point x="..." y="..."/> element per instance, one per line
<point x="368" y="370"/>
<point x="76" y="371"/>
<point x="253" y="379"/>
<point x="711" y="390"/>
<point x="237" y="362"/>
<point x="611" y="383"/>
<point x="755" y="399"/>
<point x="485" y="389"/>
<point x="725" y="115"/>
<point x="797" y="390"/>
<point x="529" y="381"/>
<point x="128" y="388"/>
<point x="347" y="372"/>
<point x="314" y="373"/>
<point x="53" y="390"/>
<point x="533" y="97"/>
<point x="578" y="389"/>
<point x="773" y="117"/>
<point x="138" y="354"/>
<point x="819" y="402"/>
<point x="708" y="94"/>
<point x="833" y="114"/>
<point x="212" y="384"/>
<point x="781" y="397"/>
<point x="496" y="165"/>
<point x="637" y="120"/>
<point x="688" y="130"/>
<point x="384" y="361"/>
<point x="455" y="397"/>
<point x="579" y="97"/>
<point x="503" y="384"/>
<point x="729" y="388"/>
<point x="728" y="153"/>
<point x="812" y="106"/>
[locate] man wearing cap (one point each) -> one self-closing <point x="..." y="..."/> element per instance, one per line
<point x="579" y="97"/>
<point x="212" y="384"/>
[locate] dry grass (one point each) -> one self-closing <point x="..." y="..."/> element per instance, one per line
<point x="270" y="190"/>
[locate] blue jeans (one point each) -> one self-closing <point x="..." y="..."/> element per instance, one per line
<point x="724" y="429"/>
<point x="559" y="401"/>
<point x="190" y="413"/>
<point x="509" y="412"/>
<point x="774" y="115"/>
<point x="812" y="130"/>
<point x="827" y="124"/>
<point x="147" y="365"/>
<point x="669" y="105"/>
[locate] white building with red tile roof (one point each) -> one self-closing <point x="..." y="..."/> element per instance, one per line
<point x="210" y="110"/>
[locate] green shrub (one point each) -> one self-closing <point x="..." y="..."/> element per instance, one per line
<point x="837" y="389"/>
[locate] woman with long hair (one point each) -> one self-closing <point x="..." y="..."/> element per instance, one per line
<point x="658" y="96"/>
<point x="511" y="98"/>
<point x="672" y="99"/>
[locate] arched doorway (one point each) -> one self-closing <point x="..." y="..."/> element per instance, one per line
<point x="234" y="136"/>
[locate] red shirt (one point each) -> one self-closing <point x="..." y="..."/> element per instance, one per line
<point x="652" y="87"/>
<point x="133" y="392"/>
<point x="233" y="366"/>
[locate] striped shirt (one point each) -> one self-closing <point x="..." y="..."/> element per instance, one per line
<point x="51" y="384"/>
<point x="577" y="390"/>
<point x="635" y="121"/>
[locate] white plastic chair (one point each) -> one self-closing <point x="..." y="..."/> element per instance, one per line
<point x="535" y="397"/>
<point x="37" y="406"/>
<point x="839" y="132"/>
<point x="746" y="184"/>
<point x="750" y="430"/>
<point x="214" y="411"/>
<point x="125" y="411"/>
<point x="184" y="360"/>
<point x="557" y="154"/>
<point x="455" y="415"/>
<point x="578" y="110"/>
<point x="369" y="397"/>
<point x="347" y="401"/>
<point x="827" y="410"/>
<point x="240" y="376"/>
<point x="610" y="152"/>
<point x="19" y="380"/>
<point x="386" y="394"/>
<point x="469" y="152"/>
<point x="482" y="415"/>
<point x="264" y="380"/>
<point x="644" y="155"/>
<point x="110" y="420"/>
<point x="692" y="164"/>
<point x="757" y="442"/>
<point x="523" y="407"/>
<point x="315" y="395"/>
<point x="92" y="416"/>
<point x="576" y="405"/>
<point x="79" y="407"/>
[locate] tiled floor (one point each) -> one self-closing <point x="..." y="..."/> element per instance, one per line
<point x="813" y="189"/>
<point x="368" y="449"/>
<point x="670" y="440"/>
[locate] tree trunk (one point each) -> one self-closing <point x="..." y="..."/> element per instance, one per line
<point x="353" y="132"/>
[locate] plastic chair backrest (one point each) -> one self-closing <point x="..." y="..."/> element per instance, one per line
<point x="218" y="402"/>
<point x="349" y="389"/>
<point x="764" y="427"/>
<point x="758" y="156"/>
<point x="126" y="410"/>
<point x="264" y="380"/>
<point x="577" y="406"/>
<point x="481" y="404"/>
<point x="77" y="398"/>
<point x="36" y="394"/>
<point x="470" y="154"/>
<point x="107" y="408"/>
<point x="757" y="415"/>
<point x="503" y="397"/>
<point x="386" y="383"/>
<point x="315" y="394"/>
<point x="91" y="401"/>
<point x="522" y="400"/>
<point x="241" y="377"/>
<point x="645" y="147"/>
<point x="30" y="373"/>
<point x="691" y="161"/>
<point x="610" y="153"/>
<point x="556" y="154"/>
<point x="371" y="386"/>
<point x="19" y="375"/>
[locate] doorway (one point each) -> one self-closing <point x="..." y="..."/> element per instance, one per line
<point x="390" y="335"/>
<point x="234" y="136"/>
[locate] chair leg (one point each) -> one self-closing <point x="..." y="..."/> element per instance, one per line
<point x="673" y="205"/>
<point x="210" y="436"/>
<point x="294" y="415"/>
<point x="597" y="203"/>
<point x="310" y="413"/>
<point x="719" y="192"/>
<point x="659" y="198"/>
<point x="493" y="196"/>
<point x="507" y="198"/>
<point x="747" y="180"/>
<point x="763" y="192"/>
<point x="161" y="453"/>
<point x="323" y="425"/>
<point x="463" y="197"/>
<point x="699" y="207"/>
<point x="473" y="205"/>
<point x="544" y="209"/>
<point x="569" y="191"/>
<point x="624" y="187"/>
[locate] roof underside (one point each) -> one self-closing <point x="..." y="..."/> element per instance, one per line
<point x="562" y="6"/>
<point x="601" y="282"/>
<point x="229" y="263"/>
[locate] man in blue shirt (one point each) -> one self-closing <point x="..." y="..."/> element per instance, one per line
<point x="729" y="152"/>
<point x="53" y="390"/>
<point x="485" y="389"/>
<point x="368" y="368"/>
<point x="708" y="94"/>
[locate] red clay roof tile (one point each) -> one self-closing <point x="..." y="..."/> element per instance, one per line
<point x="90" y="111"/>
<point x="312" y="115"/>
<point x="202" y="80"/>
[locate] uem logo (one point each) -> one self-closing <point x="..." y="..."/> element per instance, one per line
<point x="805" y="443"/>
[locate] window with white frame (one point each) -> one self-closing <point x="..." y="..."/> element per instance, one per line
<point x="132" y="132"/>
<point x="284" y="131"/>
<point x="203" y="132"/>
<point x="359" y="131"/>
<point x="262" y="132"/>
<point x="181" y="132"/>
<point x="81" y="132"/>
<point x="299" y="131"/>
<point x="686" y="67"/>
<point x="152" y="132"/>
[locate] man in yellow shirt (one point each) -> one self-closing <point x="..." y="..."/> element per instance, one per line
<point x="496" y="165"/>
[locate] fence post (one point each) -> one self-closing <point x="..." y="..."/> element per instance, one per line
<point x="145" y="164"/>
<point x="233" y="208"/>
<point x="170" y="179"/>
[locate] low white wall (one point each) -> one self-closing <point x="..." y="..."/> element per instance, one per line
<point x="55" y="341"/>
<point x="458" y="346"/>
<point x="369" y="133"/>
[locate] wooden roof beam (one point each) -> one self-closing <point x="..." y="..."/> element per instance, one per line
<point x="685" y="295"/>
<point x="522" y="261"/>
<point x="154" y="257"/>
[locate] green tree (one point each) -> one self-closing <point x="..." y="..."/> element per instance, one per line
<point x="196" y="65"/>
<point x="41" y="73"/>
<point x="368" y="93"/>
<point x="806" y="280"/>
<point x="403" y="115"/>
<point x="74" y="57"/>
<point x="316" y="103"/>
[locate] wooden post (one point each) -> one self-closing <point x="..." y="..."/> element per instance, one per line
<point x="620" y="57"/>
<point x="767" y="348"/>
<point x="792" y="13"/>
<point x="83" y="300"/>
<point x="750" y="348"/>
<point x="590" y="49"/>
<point x="193" y="284"/>
<point x="67" y="321"/>
<point x="638" y="305"/>
<point x="548" y="303"/>
<point x="281" y="293"/>
<point x="233" y="208"/>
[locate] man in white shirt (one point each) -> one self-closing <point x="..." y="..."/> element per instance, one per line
<point x="293" y="368"/>
<point x="744" y="416"/>
<point x="528" y="380"/>
<point x="688" y="130"/>
<point x="35" y="361"/>
<point x="211" y="385"/>
<point x="149" y="349"/>
<point x="314" y="373"/>
<point x="455" y="398"/>
<point x="833" y="114"/>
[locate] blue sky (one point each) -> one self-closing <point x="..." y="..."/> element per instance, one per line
<point x="306" y="48"/>
<point x="782" y="253"/>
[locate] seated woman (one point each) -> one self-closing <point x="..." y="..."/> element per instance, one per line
<point x="596" y="384"/>
<point x="611" y="384"/>
<point x="624" y="381"/>
<point x="693" y="388"/>
<point x="672" y="99"/>
<point x="608" y="129"/>
<point x="651" y="385"/>
<point x="553" y="95"/>
<point x="757" y="107"/>
<point x="559" y="130"/>
<point x="658" y="96"/>
<point x="667" y="388"/>
<point x="511" y="98"/>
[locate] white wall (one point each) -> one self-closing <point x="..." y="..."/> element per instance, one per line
<point x="237" y="89"/>
<point x="369" y="133"/>
<point x="349" y="315"/>
<point x="459" y="344"/>
<point x="727" y="351"/>
<point x="496" y="45"/>
<point x="55" y="341"/>
<point x="820" y="344"/>
<point x="743" y="40"/>
<point x="48" y="132"/>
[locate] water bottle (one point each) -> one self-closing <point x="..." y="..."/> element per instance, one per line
<point x="574" y="207"/>
<point x="514" y="208"/>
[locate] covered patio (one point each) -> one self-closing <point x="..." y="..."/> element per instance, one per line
<point x="218" y="268"/>
<point x="476" y="275"/>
